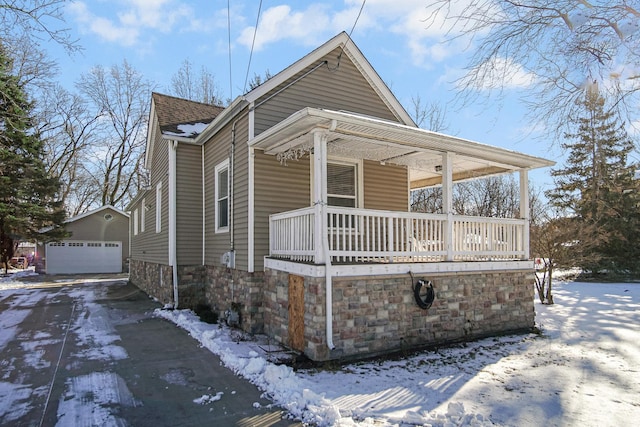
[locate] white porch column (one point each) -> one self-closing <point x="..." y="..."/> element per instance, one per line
<point x="524" y="210"/>
<point x="319" y="193"/>
<point x="447" y="202"/>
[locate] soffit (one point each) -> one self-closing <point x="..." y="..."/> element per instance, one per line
<point x="351" y="135"/>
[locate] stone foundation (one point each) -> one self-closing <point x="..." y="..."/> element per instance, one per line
<point x="154" y="279"/>
<point x="374" y="315"/>
<point x="227" y="287"/>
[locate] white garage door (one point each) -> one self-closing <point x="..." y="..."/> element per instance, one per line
<point x="78" y="256"/>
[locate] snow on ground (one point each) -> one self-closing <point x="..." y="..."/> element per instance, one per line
<point x="583" y="369"/>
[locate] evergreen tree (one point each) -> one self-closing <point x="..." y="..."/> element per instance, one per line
<point x="27" y="193"/>
<point x="598" y="190"/>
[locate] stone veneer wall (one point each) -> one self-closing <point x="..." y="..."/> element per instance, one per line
<point x="154" y="279"/>
<point x="226" y="286"/>
<point x="157" y="281"/>
<point x="378" y="314"/>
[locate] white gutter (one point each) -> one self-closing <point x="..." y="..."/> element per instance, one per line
<point x="173" y="145"/>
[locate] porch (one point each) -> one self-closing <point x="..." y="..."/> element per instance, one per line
<point x="373" y="236"/>
<point x="327" y="232"/>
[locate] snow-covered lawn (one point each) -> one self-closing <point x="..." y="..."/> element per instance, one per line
<point x="582" y="370"/>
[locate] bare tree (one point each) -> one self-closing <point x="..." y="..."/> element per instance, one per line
<point x="120" y="95"/>
<point x="556" y="47"/>
<point x="67" y="127"/>
<point x="495" y="196"/>
<point x="551" y="240"/>
<point x="200" y="87"/>
<point x="37" y="19"/>
<point x="431" y="116"/>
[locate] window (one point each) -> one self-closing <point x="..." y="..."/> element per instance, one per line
<point x="222" y="196"/>
<point x="342" y="185"/>
<point x="135" y="222"/>
<point x="159" y="207"/>
<point x="143" y="215"/>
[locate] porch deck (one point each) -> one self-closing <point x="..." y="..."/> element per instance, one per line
<point x="373" y="236"/>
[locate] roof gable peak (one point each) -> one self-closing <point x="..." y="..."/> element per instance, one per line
<point x="317" y="57"/>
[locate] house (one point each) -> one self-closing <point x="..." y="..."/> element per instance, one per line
<point x="98" y="243"/>
<point x="289" y="210"/>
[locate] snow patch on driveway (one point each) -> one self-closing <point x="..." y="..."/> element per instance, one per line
<point x="94" y="400"/>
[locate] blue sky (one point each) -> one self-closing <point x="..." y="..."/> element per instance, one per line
<point x="156" y="36"/>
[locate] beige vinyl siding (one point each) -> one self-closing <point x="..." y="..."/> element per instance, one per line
<point x="217" y="150"/>
<point x="342" y="89"/>
<point x="385" y="187"/>
<point x="278" y="188"/>
<point x="189" y="204"/>
<point x="149" y="245"/>
<point x="241" y="195"/>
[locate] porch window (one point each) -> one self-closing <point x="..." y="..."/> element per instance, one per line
<point x="342" y="185"/>
<point x="222" y="196"/>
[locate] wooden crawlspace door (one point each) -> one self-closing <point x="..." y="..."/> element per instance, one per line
<point x="296" y="312"/>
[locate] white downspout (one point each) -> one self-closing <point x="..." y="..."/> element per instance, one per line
<point x="203" y="206"/>
<point x="320" y="191"/>
<point x="173" y="145"/>
<point x="251" y="196"/>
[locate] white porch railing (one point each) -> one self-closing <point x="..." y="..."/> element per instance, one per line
<point x="359" y="236"/>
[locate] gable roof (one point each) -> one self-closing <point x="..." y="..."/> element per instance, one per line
<point x="313" y="59"/>
<point x="177" y="118"/>
<point x="95" y="211"/>
<point x="348" y="48"/>
<point x="174" y="112"/>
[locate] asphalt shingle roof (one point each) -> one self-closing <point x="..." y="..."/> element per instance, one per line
<point x="173" y="112"/>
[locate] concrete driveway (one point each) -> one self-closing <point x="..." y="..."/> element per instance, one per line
<point x="82" y="351"/>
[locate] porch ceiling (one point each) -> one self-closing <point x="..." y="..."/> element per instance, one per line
<point x="355" y="136"/>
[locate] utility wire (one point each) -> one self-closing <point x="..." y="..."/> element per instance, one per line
<point x="229" y="35"/>
<point x="255" y="31"/>
<point x="349" y="36"/>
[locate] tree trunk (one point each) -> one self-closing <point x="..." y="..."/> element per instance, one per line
<point x="549" y="296"/>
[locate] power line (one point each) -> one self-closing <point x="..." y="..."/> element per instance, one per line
<point x="349" y="36"/>
<point x="229" y="34"/>
<point x="255" y="31"/>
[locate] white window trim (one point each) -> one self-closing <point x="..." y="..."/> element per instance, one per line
<point x="143" y="215"/>
<point x="358" y="163"/>
<point x="219" y="168"/>
<point x="159" y="207"/>
<point x="135" y="222"/>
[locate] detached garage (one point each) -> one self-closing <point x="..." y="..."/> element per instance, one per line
<point x="99" y="243"/>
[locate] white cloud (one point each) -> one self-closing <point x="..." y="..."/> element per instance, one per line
<point x="501" y="73"/>
<point x="409" y="19"/>
<point x="281" y="22"/>
<point x="103" y="27"/>
<point x="125" y="22"/>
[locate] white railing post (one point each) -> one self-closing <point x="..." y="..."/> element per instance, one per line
<point x="524" y="211"/>
<point x="447" y="203"/>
